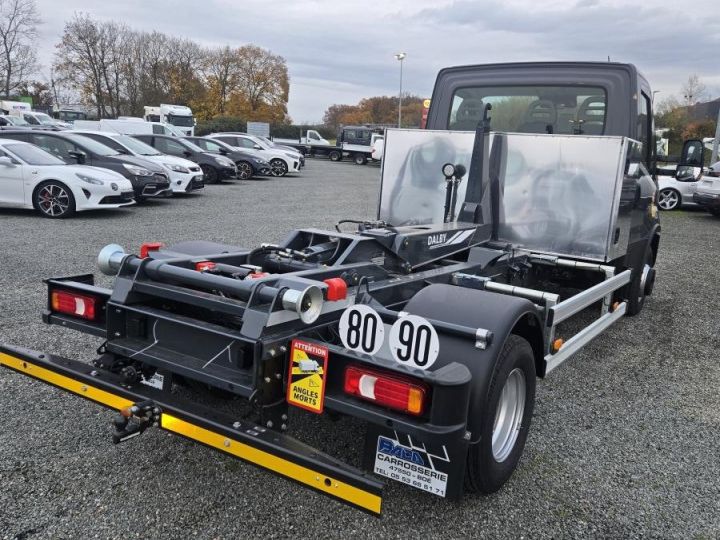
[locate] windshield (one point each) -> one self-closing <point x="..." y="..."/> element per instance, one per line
<point x="136" y="146"/>
<point x="189" y="145"/>
<point x="570" y="110"/>
<point x="17" y="121"/>
<point x="44" y="119"/>
<point x="182" y="121"/>
<point x="93" y="146"/>
<point x="262" y="142"/>
<point x="32" y="155"/>
<point x="213" y="147"/>
<point x="71" y="116"/>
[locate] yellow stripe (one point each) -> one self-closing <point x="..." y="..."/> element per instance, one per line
<point x="71" y="385"/>
<point x="344" y="491"/>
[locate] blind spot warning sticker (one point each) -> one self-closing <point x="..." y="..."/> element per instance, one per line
<point x="306" y="380"/>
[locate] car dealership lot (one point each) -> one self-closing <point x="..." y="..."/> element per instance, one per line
<point x="627" y="444"/>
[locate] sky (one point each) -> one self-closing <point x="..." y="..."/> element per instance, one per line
<point x="343" y="50"/>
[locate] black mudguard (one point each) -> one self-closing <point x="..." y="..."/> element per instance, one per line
<point x="502" y="315"/>
<point x="498" y="313"/>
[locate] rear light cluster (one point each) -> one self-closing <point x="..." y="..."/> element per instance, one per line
<point x="397" y="392"/>
<point x="72" y="303"/>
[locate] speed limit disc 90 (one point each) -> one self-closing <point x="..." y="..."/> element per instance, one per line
<point x="414" y="342"/>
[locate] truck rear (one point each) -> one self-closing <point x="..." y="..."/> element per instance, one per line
<point x="430" y="324"/>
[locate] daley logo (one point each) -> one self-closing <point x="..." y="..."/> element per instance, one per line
<point x="435" y="239"/>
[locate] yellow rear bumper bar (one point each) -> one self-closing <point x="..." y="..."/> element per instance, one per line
<point x="332" y="478"/>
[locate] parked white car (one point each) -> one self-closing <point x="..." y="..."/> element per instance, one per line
<point x="707" y="194"/>
<point x="185" y="175"/>
<point x="676" y="191"/>
<point x="281" y="161"/>
<point x="32" y="178"/>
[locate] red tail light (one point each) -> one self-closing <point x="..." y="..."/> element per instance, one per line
<point x="70" y="303"/>
<point x="387" y="389"/>
<point x="202" y="266"/>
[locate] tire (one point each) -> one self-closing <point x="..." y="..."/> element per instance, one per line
<point x="642" y="284"/>
<point x="494" y="458"/>
<point x="278" y="167"/>
<point x="210" y="174"/>
<point x="360" y="159"/>
<point x="245" y="170"/>
<point x="715" y="211"/>
<point x="54" y="200"/>
<point x="335" y="155"/>
<point x="669" y="199"/>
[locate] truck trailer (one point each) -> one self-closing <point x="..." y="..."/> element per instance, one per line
<point x="430" y="323"/>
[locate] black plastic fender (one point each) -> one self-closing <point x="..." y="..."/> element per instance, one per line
<point x="499" y="313"/>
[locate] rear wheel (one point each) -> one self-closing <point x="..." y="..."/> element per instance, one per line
<point x="642" y="284"/>
<point x="668" y="199"/>
<point x="335" y="155"/>
<point x="244" y="170"/>
<point x="507" y="412"/>
<point x="210" y="174"/>
<point x="54" y="200"/>
<point x="278" y="167"/>
<point x="360" y="159"/>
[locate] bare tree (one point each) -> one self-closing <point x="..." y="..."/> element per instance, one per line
<point x="18" y="30"/>
<point x="693" y="90"/>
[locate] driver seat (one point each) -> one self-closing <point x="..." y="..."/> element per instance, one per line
<point x="468" y="115"/>
<point x="540" y="117"/>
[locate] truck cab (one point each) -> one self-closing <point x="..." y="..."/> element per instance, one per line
<point x="179" y="116"/>
<point x="578" y="98"/>
<point x="561" y="98"/>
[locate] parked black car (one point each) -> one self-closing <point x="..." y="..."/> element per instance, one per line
<point x="215" y="167"/>
<point x="247" y="164"/>
<point x="148" y="179"/>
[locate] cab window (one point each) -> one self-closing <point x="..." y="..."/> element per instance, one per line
<point x="568" y="110"/>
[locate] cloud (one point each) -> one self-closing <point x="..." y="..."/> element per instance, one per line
<point x="339" y="52"/>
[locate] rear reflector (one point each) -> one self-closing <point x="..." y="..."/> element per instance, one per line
<point x="70" y="303"/>
<point x="389" y="390"/>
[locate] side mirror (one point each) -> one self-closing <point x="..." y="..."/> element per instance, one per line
<point x="79" y="156"/>
<point x="693" y="154"/>
<point x="187" y="153"/>
<point x="5" y="161"/>
<point x="257" y="147"/>
<point x="224" y="151"/>
<point x="123" y="151"/>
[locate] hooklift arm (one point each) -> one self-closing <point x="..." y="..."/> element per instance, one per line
<point x="270" y="450"/>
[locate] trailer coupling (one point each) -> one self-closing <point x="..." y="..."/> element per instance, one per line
<point x="141" y="406"/>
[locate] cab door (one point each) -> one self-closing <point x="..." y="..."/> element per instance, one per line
<point x="12" y="190"/>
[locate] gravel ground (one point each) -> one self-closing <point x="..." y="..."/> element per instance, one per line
<point x="624" y="442"/>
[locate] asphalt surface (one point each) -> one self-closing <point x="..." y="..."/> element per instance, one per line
<point x="624" y="440"/>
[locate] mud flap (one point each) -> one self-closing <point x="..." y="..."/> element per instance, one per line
<point x="436" y="466"/>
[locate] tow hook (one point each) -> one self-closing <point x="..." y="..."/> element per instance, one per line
<point x="133" y="420"/>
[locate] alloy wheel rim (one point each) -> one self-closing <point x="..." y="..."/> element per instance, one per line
<point x="53" y="200"/>
<point x="277" y="167"/>
<point x="668" y="200"/>
<point x="509" y="415"/>
<point x="244" y="170"/>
